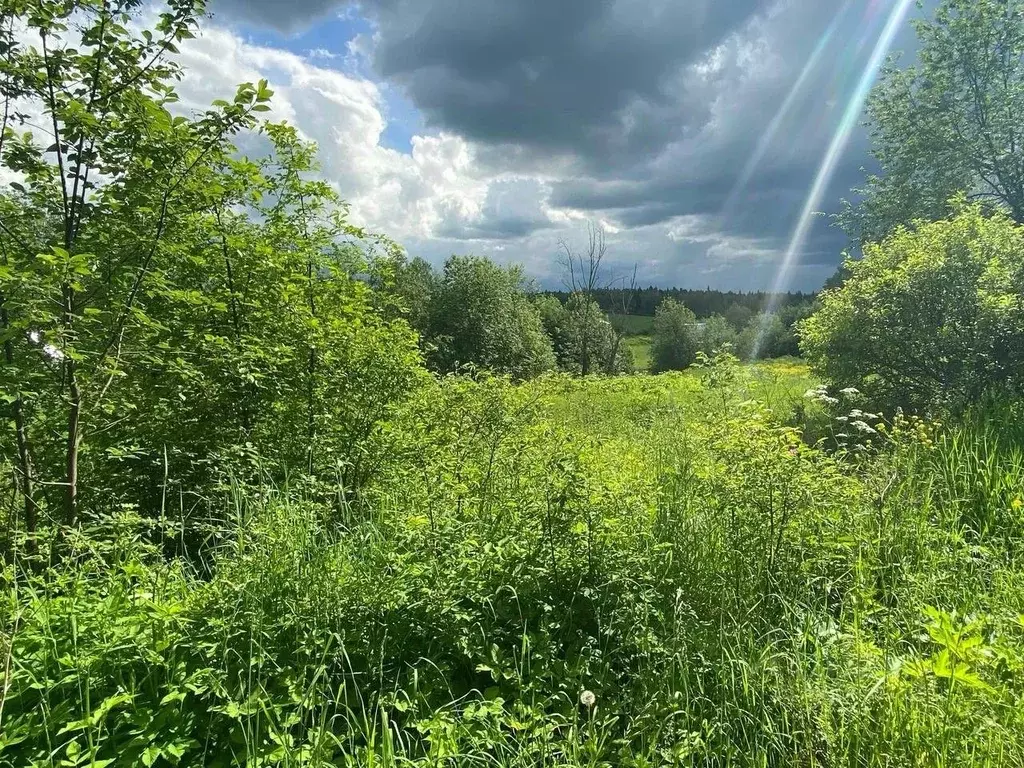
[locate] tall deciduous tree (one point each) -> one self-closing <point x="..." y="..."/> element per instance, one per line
<point x="113" y="173"/>
<point x="168" y="306"/>
<point x="676" y="337"/>
<point x="480" y="315"/>
<point x="952" y="123"/>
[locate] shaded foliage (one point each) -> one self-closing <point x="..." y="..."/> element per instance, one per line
<point x="676" y="339"/>
<point x="480" y="315"/>
<point x="950" y="123"/>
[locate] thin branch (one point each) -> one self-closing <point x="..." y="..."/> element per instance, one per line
<point x="56" y="136"/>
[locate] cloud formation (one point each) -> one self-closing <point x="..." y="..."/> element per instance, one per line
<point x="537" y="115"/>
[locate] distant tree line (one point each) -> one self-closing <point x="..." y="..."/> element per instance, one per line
<point x="474" y="312"/>
<point x="703" y="303"/>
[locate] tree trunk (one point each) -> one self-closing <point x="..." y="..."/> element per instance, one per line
<point x="311" y="374"/>
<point x="24" y="454"/>
<point x="74" y="439"/>
<point x="74" y="443"/>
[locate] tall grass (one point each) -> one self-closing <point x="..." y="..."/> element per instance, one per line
<point x="729" y="595"/>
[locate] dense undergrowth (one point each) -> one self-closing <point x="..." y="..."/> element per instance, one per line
<point x="634" y="571"/>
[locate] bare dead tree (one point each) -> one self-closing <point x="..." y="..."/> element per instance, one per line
<point x="583" y="277"/>
<point x="582" y="269"/>
<point x="581" y="274"/>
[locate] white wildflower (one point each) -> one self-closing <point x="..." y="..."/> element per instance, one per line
<point x="52" y="352"/>
<point x="588" y="699"/>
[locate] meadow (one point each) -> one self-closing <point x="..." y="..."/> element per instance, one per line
<point x="640" y="348"/>
<point x="703" y="568"/>
<point x="275" y="492"/>
<point x="632" y="325"/>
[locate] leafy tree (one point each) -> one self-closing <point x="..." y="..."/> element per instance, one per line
<point x="766" y="336"/>
<point x="931" y="316"/>
<point x="116" y="173"/>
<point x="739" y="316"/>
<point x="169" y="307"/>
<point x="480" y="315"/>
<point x="715" y="334"/>
<point x="414" y="284"/>
<point x="581" y="333"/>
<point x="951" y="123"/>
<point x="676" y="337"/>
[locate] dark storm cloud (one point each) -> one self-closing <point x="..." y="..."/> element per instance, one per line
<point x="283" y="16"/>
<point x="637" y="111"/>
<point x="660" y="104"/>
<point x="588" y="77"/>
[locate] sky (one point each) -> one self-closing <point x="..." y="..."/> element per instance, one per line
<point x="692" y="131"/>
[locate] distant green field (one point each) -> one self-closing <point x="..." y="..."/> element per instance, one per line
<point x="632" y="325"/>
<point x="640" y="346"/>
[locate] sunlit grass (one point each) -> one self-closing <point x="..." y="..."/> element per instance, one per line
<point x="640" y="347"/>
<point x="728" y="595"/>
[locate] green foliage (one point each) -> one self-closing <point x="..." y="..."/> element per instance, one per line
<point x="766" y="337"/>
<point x="929" y="317"/>
<point x="950" y="123"/>
<point x="628" y="571"/>
<point x="716" y="332"/>
<point x="195" y="310"/>
<point x="481" y="316"/>
<point x="739" y="316"/>
<point x="676" y="337"/>
<point x="414" y="284"/>
<point x="584" y="339"/>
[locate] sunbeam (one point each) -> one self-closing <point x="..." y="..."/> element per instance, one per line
<point x="835" y="151"/>
<point x="768" y="137"/>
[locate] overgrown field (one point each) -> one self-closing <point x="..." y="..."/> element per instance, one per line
<point x="629" y="571"/>
<point x="632" y="325"/>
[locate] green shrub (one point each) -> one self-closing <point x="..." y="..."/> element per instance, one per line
<point x="480" y="315"/>
<point x="931" y="317"/>
<point x="676" y="337"/>
<point x="584" y="339"/>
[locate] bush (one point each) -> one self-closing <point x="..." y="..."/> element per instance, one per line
<point x="481" y="316"/>
<point x="933" y="316"/>
<point x="584" y="339"/>
<point x="766" y="337"/>
<point x="676" y="337"/>
<point x="715" y="334"/>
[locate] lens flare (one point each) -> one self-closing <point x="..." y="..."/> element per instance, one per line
<point x="840" y="139"/>
<point x="768" y="137"/>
